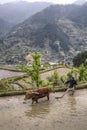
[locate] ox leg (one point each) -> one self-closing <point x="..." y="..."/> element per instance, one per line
<point x="36" y="98"/>
<point x="36" y="101"/>
<point x="32" y="101"/>
<point x="48" y="96"/>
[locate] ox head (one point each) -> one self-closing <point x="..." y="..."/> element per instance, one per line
<point x="28" y="95"/>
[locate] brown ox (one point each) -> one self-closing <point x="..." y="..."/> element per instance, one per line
<point x="38" y="93"/>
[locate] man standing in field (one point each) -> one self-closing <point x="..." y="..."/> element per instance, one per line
<point x="72" y="85"/>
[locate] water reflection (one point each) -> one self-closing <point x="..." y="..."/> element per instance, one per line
<point x="67" y="113"/>
<point x="72" y="102"/>
<point x="6" y="74"/>
<point x="17" y="87"/>
<point x="73" y="112"/>
<point x="38" y="110"/>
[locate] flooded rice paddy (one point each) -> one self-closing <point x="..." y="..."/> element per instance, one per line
<point x="6" y="74"/>
<point x="67" y="113"/>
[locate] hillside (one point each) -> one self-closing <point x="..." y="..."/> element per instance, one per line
<point x="4" y="27"/>
<point x="57" y="31"/>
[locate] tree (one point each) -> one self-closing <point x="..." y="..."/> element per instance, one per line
<point x="34" y="71"/>
<point x="82" y="73"/>
<point x="80" y="59"/>
<point x="74" y="72"/>
<point x="55" y="78"/>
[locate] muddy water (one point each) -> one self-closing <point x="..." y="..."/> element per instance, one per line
<point x="6" y="74"/>
<point x="68" y="113"/>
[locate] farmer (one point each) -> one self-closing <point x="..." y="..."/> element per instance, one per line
<point x="72" y="84"/>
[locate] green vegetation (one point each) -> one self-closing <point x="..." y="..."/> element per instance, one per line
<point x="7" y="84"/>
<point x="55" y="81"/>
<point x="80" y="59"/>
<point x="34" y="71"/>
<point x="33" y="78"/>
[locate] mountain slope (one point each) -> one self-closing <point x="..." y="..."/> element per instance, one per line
<point x="4" y="27"/>
<point x="79" y="15"/>
<point x="54" y="31"/>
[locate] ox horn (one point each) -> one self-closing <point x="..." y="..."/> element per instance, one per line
<point x="36" y="93"/>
